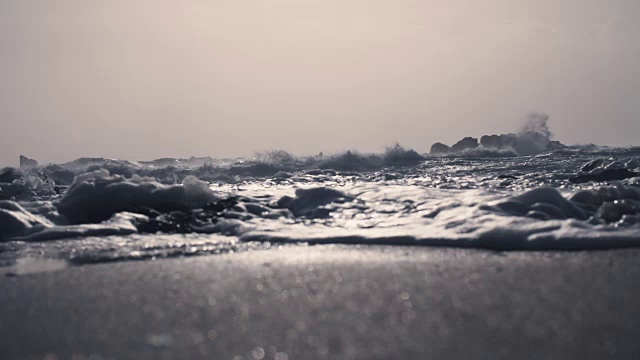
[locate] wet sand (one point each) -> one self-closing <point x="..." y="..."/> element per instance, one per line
<point x="331" y="302"/>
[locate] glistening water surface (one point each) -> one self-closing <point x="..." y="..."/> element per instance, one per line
<point x="94" y="210"/>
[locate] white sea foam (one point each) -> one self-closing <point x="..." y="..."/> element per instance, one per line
<point x="539" y="219"/>
<point x="399" y="197"/>
<point x="96" y="196"/>
<point x="96" y="204"/>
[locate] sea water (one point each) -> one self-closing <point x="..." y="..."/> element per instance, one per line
<point x="94" y="209"/>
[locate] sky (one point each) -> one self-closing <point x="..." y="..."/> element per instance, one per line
<point x="144" y="79"/>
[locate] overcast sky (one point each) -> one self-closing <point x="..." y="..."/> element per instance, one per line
<point x="143" y="79"/>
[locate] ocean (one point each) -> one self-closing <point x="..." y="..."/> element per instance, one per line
<point x="98" y="210"/>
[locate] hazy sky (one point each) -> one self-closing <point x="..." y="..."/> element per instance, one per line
<point x="143" y="79"/>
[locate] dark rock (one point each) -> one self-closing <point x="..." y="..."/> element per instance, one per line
<point x="8" y="175"/>
<point x="490" y="141"/>
<point x="525" y="143"/>
<point x="534" y="138"/>
<point x="467" y="143"/>
<point x="25" y="162"/>
<point x="184" y="221"/>
<point x="605" y="175"/>
<point x="439" y="149"/>
<point x="499" y="142"/>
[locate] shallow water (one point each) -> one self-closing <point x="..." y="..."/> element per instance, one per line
<point x="496" y="201"/>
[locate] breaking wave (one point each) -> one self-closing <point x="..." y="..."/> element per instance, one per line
<point x="580" y="197"/>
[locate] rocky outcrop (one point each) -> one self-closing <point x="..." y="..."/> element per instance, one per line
<point x="604" y="176"/>
<point x="524" y="143"/>
<point x="467" y="143"/>
<point x="605" y="170"/>
<point x="439" y="149"/>
<point x="491" y="141"/>
<point x="25" y="162"/>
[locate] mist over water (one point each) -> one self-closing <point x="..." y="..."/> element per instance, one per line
<point x="537" y="123"/>
<point x="536" y="130"/>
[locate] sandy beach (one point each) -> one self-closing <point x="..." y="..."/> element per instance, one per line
<point x="331" y="302"/>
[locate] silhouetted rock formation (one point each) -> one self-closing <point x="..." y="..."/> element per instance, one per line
<point x="534" y="137"/>
<point x="25" y="162"/>
<point x="604" y="176"/>
<point x="491" y="141"/>
<point x="439" y="149"/>
<point x="467" y="143"/>
<point x="524" y="143"/>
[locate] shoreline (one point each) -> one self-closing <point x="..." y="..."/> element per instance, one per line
<point x="331" y="301"/>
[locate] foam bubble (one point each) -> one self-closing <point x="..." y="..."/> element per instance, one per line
<point x="96" y="196"/>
